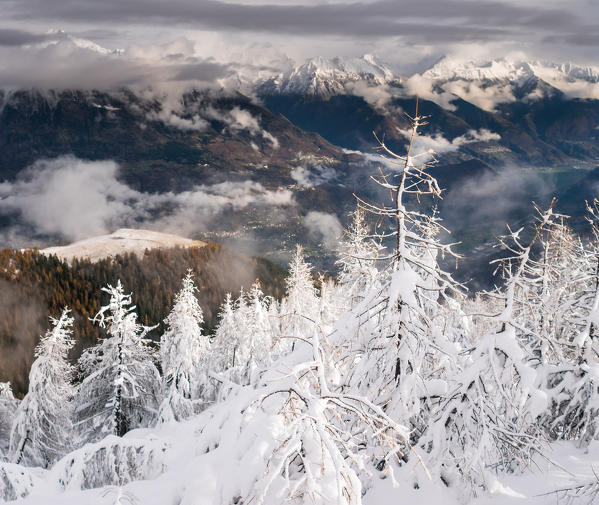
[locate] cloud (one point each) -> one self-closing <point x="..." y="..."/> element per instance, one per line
<point x="14" y="37"/>
<point x="494" y="198"/>
<point x="323" y="227"/>
<point x="311" y="176"/>
<point x="63" y="61"/>
<point x="487" y="97"/>
<point x="437" y="143"/>
<point x="73" y="199"/>
<point x="238" y="119"/>
<point x="378" y="96"/>
<point x="422" y="21"/>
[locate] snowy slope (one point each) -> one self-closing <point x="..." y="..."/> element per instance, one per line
<point x="120" y="242"/>
<point x="173" y="467"/>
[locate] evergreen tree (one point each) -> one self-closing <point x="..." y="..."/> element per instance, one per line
<point x="121" y="384"/>
<point x="42" y="428"/>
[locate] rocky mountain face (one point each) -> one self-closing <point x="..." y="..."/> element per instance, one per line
<point x="206" y="136"/>
<point x="540" y="114"/>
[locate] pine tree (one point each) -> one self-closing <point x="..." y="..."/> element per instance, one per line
<point x="121" y="384"/>
<point x="255" y="340"/>
<point x="183" y="356"/>
<point x="42" y="427"/>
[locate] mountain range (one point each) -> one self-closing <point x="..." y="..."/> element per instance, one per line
<point x="309" y="131"/>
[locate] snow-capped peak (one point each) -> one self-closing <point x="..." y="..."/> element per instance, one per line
<point x="510" y="69"/>
<point x="57" y="36"/>
<point x="327" y="76"/>
<point x="451" y="69"/>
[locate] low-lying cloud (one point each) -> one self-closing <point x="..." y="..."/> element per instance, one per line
<point x="72" y="199"/>
<point x="323" y="227"/>
<point x="437" y="143"/>
<point x="311" y="176"/>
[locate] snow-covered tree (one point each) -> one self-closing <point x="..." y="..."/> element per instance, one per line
<point x="183" y="356"/>
<point x="42" y="428"/>
<point x="401" y="349"/>
<point x="121" y="385"/>
<point x="300" y="307"/>
<point x="574" y="380"/>
<point x="226" y="336"/>
<point x="358" y="254"/>
<point x="8" y="409"/>
<point x="302" y="448"/>
<point x="487" y="418"/>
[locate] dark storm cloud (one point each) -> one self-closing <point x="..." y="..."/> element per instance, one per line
<point x="426" y="21"/>
<point x="589" y="37"/>
<point x="206" y="71"/>
<point x="10" y="37"/>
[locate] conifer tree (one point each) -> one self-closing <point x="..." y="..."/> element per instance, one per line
<point x="574" y="383"/>
<point x="121" y="385"/>
<point x="226" y="336"/>
<point x="42" y="428"/>
<point x="300" y="307"/>
<point x="357" y="261"/>
<point x="400" y="346"/>
<point x="183" y="356"/>
<point x="488" y="415"/>
<point x="8" y="408"/>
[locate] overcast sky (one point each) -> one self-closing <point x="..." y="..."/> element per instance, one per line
<point x="176" y="40"/>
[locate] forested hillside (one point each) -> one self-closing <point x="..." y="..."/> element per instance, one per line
<point x="34" y="286"/>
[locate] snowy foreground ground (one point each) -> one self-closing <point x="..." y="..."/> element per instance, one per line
<point x="183" y="474"/>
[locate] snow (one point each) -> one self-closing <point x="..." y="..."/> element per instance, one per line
<point x="185" y="473"/>
<point x="510" y="69"/>
<point x="324" y="76"/>
<point x="120" y="242"/>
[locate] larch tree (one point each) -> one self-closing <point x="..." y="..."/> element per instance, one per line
<point x="8" y="409"/>
<point x="401" y="350"/>
<point x="300" y="307"/>
<point x="357" y="262"/>
<point x="487" y="419"/>
<point x="183" y="356"/>
<point x="42" y="429"/>
<point x="121" y="386"/>
<point x="574" y="381"/>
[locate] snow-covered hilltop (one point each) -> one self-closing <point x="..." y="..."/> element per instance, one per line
<point x="323" y="76"/>
<point x="120" y="242"/>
